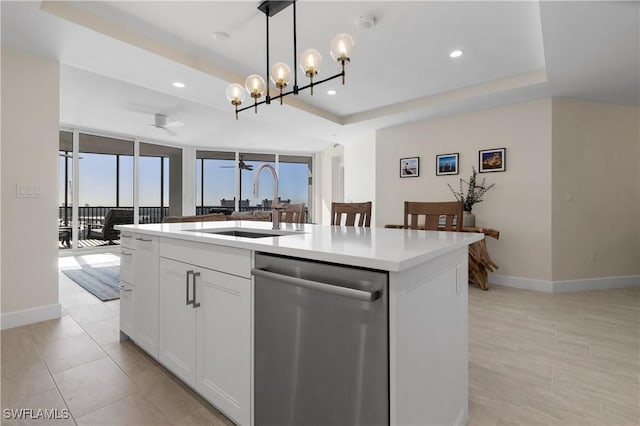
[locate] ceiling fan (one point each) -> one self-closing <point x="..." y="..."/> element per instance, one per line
<point x="241" y="164"/>
<point x="162" y="123"/>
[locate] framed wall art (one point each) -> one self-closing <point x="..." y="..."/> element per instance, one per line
<point x="410" y="167"/>
<point x="447" y="164"/>
<point x="492" y="160"/>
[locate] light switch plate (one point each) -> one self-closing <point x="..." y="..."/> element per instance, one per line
<point x="28" y="191"/>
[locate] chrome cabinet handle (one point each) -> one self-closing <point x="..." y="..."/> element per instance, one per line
<point x="195" y="304"/>
<point x="125" y="236"/>
<point x="366" y="296"/>
<point x="189" y="302"/>
<point x="142" y="239"/>
<point x="126" y="254"/>
<point x="121" y="287"/>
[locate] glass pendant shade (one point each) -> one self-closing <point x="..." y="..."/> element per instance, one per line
<point x="236" y="93"/>
<point x="341" y="47"/>
<point x="255" y="85"/>
<point x="280" y="74"/>
<point x="311" y="61"/>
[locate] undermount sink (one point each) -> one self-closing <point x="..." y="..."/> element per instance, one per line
<point x="244" y="233"/>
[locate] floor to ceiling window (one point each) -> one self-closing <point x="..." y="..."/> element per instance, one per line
<point x="217" y="189"/>
<point x="159" y="182"/>
<point x="105" y="186"/>
<point x="65" y="184"/>
<point x="248" y="165"/>
<point x="215" y="181"/>
<point x="295" y="172"/>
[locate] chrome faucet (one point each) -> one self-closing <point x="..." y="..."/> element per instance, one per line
<point x="275" y="213"/>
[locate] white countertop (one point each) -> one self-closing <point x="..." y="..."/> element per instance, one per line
<point x="377" y="248"/>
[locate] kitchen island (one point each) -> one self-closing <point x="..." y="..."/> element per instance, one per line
<point x="188" y="298"/>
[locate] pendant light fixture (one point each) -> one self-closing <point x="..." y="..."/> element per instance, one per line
<point x="280" y="73"/>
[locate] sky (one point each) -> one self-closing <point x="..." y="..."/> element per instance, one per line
<point x="97" y="181"/>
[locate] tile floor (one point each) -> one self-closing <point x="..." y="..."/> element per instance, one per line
<point x="534" y="359"/>
<point x="78" y="363"/>
<point x="559" y="359"/>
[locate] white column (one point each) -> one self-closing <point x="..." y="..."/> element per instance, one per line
<point x="136" y="188"/>
<point x="75" y="222"/>
<point x="238" y="189"/>
<point x="188" y="181"/>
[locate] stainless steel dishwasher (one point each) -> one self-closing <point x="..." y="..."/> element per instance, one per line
<point x="321" y="348"/>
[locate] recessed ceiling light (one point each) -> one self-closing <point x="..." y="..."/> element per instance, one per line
<point x="455" y="54"/>
<point x="331" y="92"/>
<point x="220" y="36"/>
<point x="178" y="84"/>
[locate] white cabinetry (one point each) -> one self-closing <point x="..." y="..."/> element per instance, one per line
<point x="177" y="320"/>
<point x="223" y="342"/>
<point x="145" y="271"/>
<point x="205" y="325"/>
<point x="126" y="283"/>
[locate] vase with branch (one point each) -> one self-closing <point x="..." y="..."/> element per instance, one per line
<point x="470" y="192"/>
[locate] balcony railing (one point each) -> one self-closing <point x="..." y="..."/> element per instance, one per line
<point x="94" y="216"/>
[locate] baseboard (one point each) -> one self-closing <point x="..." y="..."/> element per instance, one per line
<point x="30" y="316"/>
<point x="522" y="283"/>
<point x="596" y="283"/>
<point x="564" y="286"/>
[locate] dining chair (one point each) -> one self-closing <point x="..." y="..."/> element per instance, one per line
<point x="350" y="211"/>
<point x="433" y="213"/>
<point x="292" y="213"/>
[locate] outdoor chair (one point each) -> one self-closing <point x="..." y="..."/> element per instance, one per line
<point x="112" y="218"/>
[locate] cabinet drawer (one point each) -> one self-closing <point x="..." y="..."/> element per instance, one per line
<point x="229" y="260"/>
<point x="126" y="239"/>
<point x="146" y="243"/>
<point x="126" y="308"/>
<point x="126" y="264"/>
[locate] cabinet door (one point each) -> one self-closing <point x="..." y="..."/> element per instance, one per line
<point x="224" y="342"/>
<point x="126" y="308"/>
<point x="177" y="345"/>
<point x="146" y="301"/>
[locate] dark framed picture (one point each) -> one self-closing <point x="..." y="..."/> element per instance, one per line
<point x="410" y="167"/>
<point x="493" y="160"/>
<point x="447" y="164"/>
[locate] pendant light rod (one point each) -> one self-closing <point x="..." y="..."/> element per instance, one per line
<point x="295" y="52"/>
<point x="267" y="98"/>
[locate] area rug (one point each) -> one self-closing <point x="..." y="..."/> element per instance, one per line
<point x="101" y="281"/>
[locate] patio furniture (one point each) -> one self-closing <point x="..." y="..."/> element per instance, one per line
<point x="64" y="235"/>
<point x="112" y="218"/>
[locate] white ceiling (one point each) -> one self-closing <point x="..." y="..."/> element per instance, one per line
<point x="119" y="59"/>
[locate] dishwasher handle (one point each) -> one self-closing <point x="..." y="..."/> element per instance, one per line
<point x="365" y="296"/>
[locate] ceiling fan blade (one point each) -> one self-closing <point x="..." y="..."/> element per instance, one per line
<point x="170" y="132"/>
<point x="175" y="123"/>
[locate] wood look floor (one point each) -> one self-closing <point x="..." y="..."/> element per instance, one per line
<point x="534" y="359"/>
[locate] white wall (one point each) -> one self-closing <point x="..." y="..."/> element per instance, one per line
<point x="519" y="206"/>
<point x="360" y="171"/>
<point x="596" y="190"/>
<point x="30" y="120"/>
